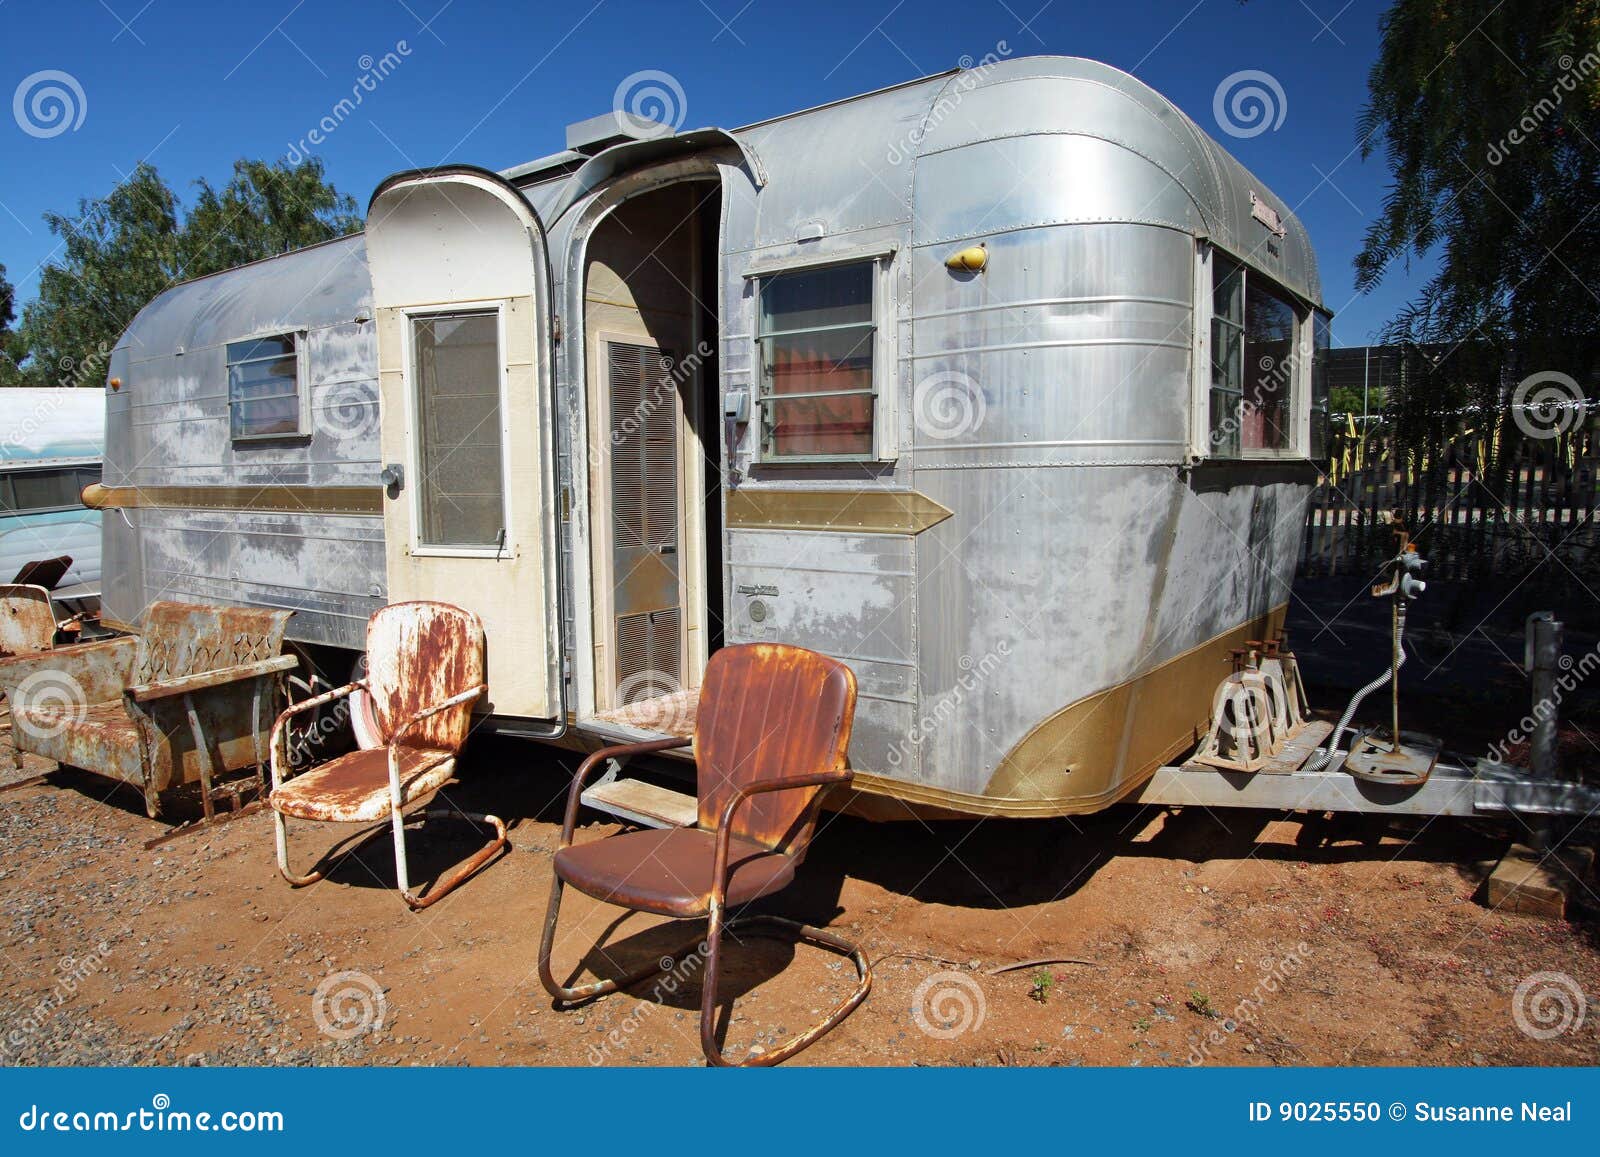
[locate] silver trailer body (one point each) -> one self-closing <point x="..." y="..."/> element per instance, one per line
<point x="293" y="522"/>
<point x="1036" y="569"/>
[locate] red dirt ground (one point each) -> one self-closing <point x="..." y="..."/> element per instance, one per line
<point x="1349" y="942"/>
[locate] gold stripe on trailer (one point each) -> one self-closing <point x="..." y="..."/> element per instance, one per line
<point x="843" y="511"/>
<point x="276" y="498"/>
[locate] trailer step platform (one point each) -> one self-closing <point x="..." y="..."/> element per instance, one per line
<point x="639" y="802"/>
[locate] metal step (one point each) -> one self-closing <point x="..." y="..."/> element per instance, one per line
<point x="639" y="802"/>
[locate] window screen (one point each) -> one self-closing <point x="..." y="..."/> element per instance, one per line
<point x="264" y="387"/>
<point x="460" y="485"/>
<point x="817" y="336"/>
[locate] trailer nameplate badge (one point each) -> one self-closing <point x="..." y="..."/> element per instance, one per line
<point x="1267" y="215"/>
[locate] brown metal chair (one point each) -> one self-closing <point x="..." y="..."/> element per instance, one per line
<point x="771" y="732"/>
<point x="424" y="672"/>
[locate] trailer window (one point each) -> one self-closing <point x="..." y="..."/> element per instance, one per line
<point x="817" y="335"/>
<point x="1321" y="340"/>
<point x="264" y="387"/>
<point x="43" y="491"/>
<point x="1254" y="364"/>
<point x="460" y="484"/>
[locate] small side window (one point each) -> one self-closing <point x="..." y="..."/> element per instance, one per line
<point x="1227" y="355"/>
<point x="818" y="338"/>
<point x="45" y="491"/>
<point x="1321" y="340"/>
<point x="264" y="387"/>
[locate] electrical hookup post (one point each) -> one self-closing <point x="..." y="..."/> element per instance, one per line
<point x="1399" y="758"/>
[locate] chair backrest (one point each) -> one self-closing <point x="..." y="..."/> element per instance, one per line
<point x="770" y="711"/>
<point x="418" y="655"/>
<point x="178" y="639"/>
<point x="27" y="620"/>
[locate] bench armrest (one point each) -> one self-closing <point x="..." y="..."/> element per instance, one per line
<point x="201" y="680"/>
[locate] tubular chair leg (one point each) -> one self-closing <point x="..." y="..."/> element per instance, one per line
<point x="461" y="872"/>
<point x="579" y="993"/>
<point x="282" y="830"/>
<point x="708" y="996"/>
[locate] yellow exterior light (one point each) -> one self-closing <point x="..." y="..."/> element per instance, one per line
<point x="970" y="260"/>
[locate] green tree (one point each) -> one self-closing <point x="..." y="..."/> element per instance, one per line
<point x="120" y="251"/>
<point x="10" y="342"/>
<point x="1488" y="118"/>
<point x="265" y="209"/>
<point x="117" y="253"/>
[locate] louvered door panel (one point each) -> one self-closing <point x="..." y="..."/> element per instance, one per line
<point x="646" y="594"/>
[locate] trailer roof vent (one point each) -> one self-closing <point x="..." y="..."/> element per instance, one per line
<point x="613" y="128"/>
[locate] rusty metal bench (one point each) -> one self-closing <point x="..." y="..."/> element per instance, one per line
<point x="189" y="698"/>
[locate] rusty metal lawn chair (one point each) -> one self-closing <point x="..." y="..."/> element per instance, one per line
<point x="425" y="664"/>
<point x="770" y="735"/>
<point x="184" y="701"/>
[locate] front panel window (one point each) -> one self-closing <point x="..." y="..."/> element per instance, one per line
<point x="1227" y="355"/>
<point x="264" y="387"/>
<point x="460" y="484"/>
<point x="818" y="335"/>
<point x="1255" y="366"/>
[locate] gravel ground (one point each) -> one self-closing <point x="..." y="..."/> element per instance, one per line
<point x="1241" y="939"/>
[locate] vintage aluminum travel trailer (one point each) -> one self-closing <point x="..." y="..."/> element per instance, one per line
<point x="51" y="441"/>
<point x="944" y="381"/>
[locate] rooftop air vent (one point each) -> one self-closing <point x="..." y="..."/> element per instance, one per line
<point x="612" y="128"/>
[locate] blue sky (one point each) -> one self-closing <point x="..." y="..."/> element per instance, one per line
<point x="193" y="86"/>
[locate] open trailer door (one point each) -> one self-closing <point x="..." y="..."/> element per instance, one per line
<point x="461" y="297"/>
